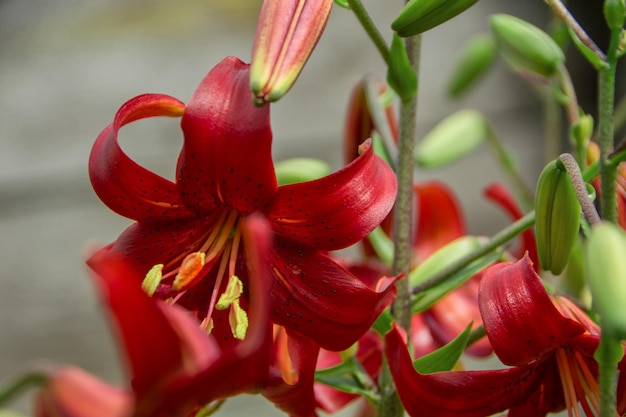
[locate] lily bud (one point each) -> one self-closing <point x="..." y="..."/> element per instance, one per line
<point x="294" y="170"/>
<point x="454" y="137"/>
<point x="418" y="16"/>
<point x="606" y="276"/>
<point x="614" y="13"/>
<point x="558" y="218"/>
<point x="581" y="131"/>
<point x="526" y="46"/>
<point x="475" y="60"/>
<point x="287" y="31"/>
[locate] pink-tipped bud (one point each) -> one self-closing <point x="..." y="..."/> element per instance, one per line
<point x="287" y="31"/>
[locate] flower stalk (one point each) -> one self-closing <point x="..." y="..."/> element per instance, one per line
<point x="370" y="28"/>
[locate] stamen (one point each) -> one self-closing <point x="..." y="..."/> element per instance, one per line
<point x="569" y="392"/>
<point x="152" y="280"/>
<point x="189" y="270"/>
<point x="238" y="320"/>
<point x="232" y="293"/>
<point x="589" y="382"/>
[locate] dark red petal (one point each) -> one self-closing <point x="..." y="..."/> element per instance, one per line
<point x="497" y="193"/>
<point x="226" y="158"/>
<point x="521" y="321"/>
<point x="313" y="295"/>
<point x="338" y="210"/>
<point x="452" y="394"/>
<point x="148" y="243"/>
<point x="295" y="399"/>
<point x="439" y="219"/>
<point x="124" y="186"/>
<point x="152" y="347"/>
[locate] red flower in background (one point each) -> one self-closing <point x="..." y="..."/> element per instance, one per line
<point x="187" y="234"/>
<point x="548" y="342"/>
<point x="175" y="368"/>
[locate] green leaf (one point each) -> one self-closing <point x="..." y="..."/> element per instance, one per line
<point x="444" y="358"/>
<point x="589" y="55"/>
<point x="343" y="3"/>
<point x="9" y="413"/>
<point x="400" y="74"/>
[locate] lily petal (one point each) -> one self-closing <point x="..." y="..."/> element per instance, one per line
<point x="297" y="398"/>
<point x="451" y="394"/>
<point x="521" y="321"/>
<point x="340" y="209"/>
<point x="148" y="243"/>
<point x="124" y="186"/>
<point x="72" y="392"/>
<point x="226" y="158"/>
<point x="311" y="290"/>
<point x="439" y="218"/>
<point x="147" y="337"/>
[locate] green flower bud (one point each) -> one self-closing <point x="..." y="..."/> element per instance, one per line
<point x="400" y="74"/>
<point x="614" y="13"/>
<point x="526" y="46"/>
<point x="581" y="131"/>
<point x="606" y="275"/>
<point x="475" y="60"/>
<point x="418" y="16"/>
<point x="558" y="217"/>
<point x="454" y="137"/>
<point x="294" y="170"/>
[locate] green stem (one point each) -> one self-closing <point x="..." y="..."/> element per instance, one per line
<point x="606" y="104"/>
<point x="559" y="9"/>
<point x="495" y="242"/>
<point x="507" y="162"/>
<point x="389" y="404"/>
<point x="476" y="334"/>
<point x="553" y="132"/>
<point x="608" y="355"/>
<point x="370" y="27"/>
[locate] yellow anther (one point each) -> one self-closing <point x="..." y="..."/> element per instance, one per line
<point x="189" y="270"/>
<point x="152" y="279"/>
<point x="238" y="320"/>
<point x="232" y="293"/>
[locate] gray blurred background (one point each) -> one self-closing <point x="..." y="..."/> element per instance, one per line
<point x="67" y="65"/>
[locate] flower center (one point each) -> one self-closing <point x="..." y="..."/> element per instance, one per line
<point x="216" y="258"/>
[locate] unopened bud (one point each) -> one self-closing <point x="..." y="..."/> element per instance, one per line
<point x="287" y="32"/>
<point x="606" y="276"/>
<point x="581" y="131"/>
<point x="418" y="16"/>
<point x="526" y="46"/>
<point x="294" y="170"/>
<point x="558" y="218"/>
<point x="454" y="137"/>
<point x="614" y="13"/>
<point x="475" y="60"/>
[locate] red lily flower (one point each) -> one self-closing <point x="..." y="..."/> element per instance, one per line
<point x="187" y="235"/>
<point x="176" y="368"/>
<point x="547" y="341"/>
